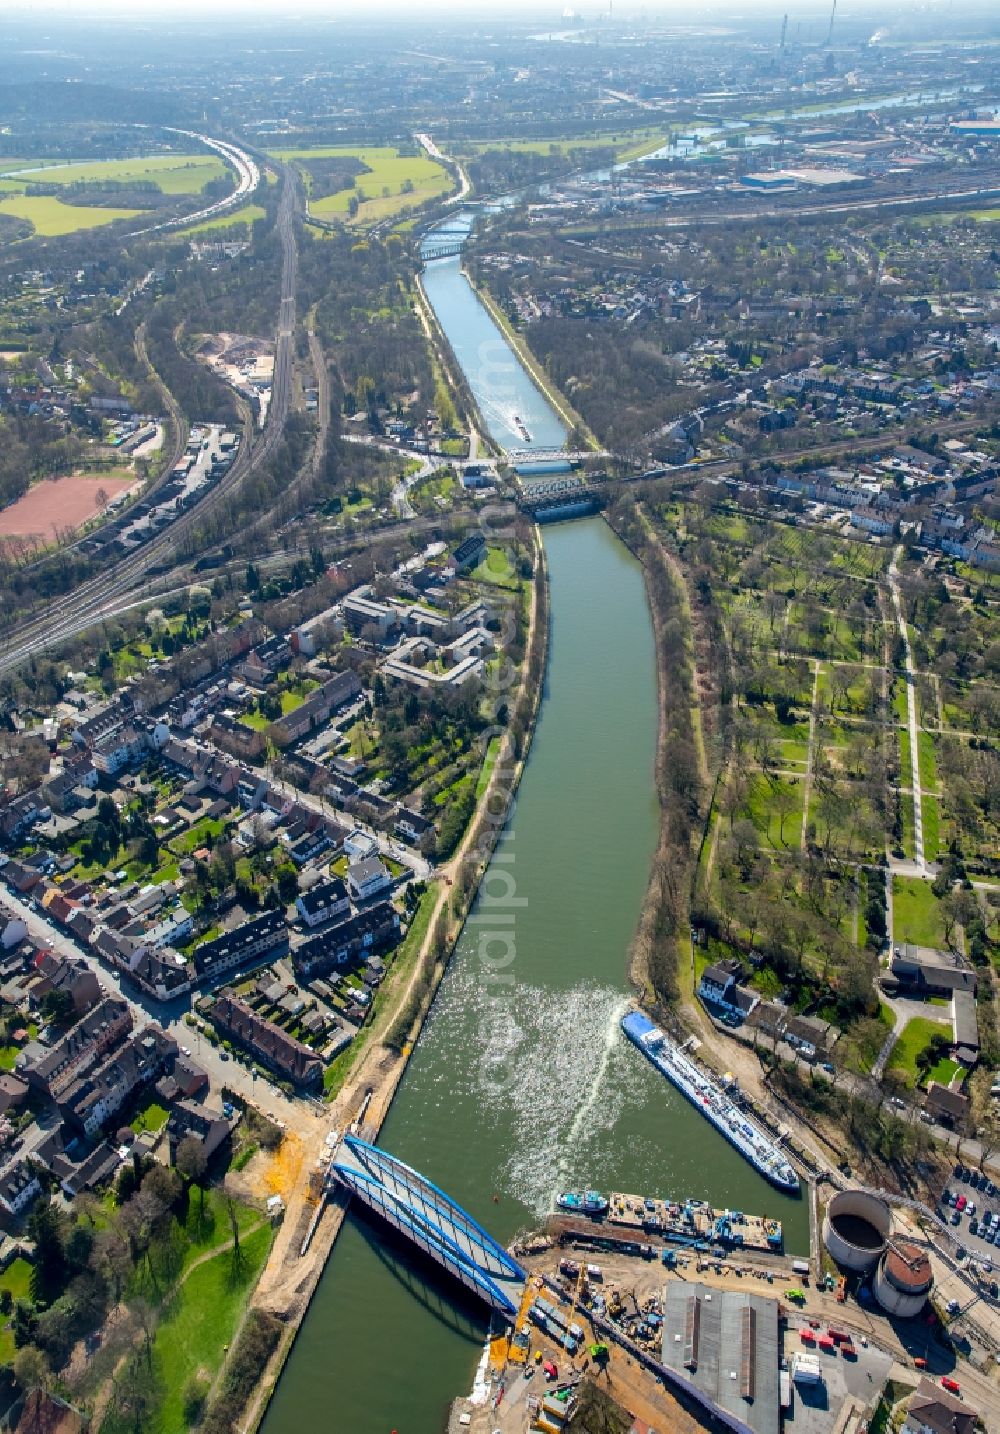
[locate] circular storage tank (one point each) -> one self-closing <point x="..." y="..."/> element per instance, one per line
<point x="856" y="1229"/>
<point x="903" y="1279"/>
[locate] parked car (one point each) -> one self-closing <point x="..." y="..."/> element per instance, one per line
<point x="952" y="1385"/>
<point x="961" y="1203"/>
<point x="955" y="1217"/>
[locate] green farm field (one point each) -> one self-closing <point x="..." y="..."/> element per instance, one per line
<point x="389" y="170"/>
<point x="247" y="215"/>
<point x="51" y="217"/>
<point x="171" y="173"/>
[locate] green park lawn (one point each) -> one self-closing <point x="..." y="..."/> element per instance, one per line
<point x="496" y="569"/>
<point x="200" y="1322"/>
<point x="915" y="1037"/>
<point x="916" y="915"/>
<point x="489" y="762"/>
<point x="152" y="1117"/>
<point x="932" y="827"/>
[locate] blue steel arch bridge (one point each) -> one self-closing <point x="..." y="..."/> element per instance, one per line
<point x="415" y="1207"/>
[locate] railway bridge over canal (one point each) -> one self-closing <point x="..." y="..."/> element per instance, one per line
<point x="408" y="1202"/>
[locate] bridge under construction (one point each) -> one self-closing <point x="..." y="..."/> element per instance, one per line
<point x="408" y="1202"/>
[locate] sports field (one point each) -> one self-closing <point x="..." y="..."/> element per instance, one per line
<point x="56" y="505"/>
<point x="382" y="191"/>
<point x="171" y="173"/>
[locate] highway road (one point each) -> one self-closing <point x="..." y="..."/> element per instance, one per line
<point x="247" y="175"/>
<point x="102" y="596"/>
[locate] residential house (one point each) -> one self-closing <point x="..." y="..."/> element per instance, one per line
<point x="948" y="1106"/>
<point x="469" y="553"/>
<point x="237" y="738"/>
<point x="719" y="987"/>
<point x="411" y="826"/>
<point x="931" y="1410"/>
<point x="19" y="1188"/>
<point x="187" y="1120"/>
<point x="323" y="902"/>
<point x="18" y="815"/>
<point x="810" y="1036"/>
<point x="368" y="879"/>
<point x="922" y="971"/>
<point x="965" y="1028"/>
<point x="66" y="973"/>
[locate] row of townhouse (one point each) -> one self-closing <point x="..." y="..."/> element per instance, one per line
<point x="246" y="945"/>
<point x="51" y="1070"/>
<point x="92" y="1100"/>
<point x="287" y="1057"/>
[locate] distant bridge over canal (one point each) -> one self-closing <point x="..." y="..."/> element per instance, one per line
<point x="442" y="249"/>
<point x="547" y="502"/>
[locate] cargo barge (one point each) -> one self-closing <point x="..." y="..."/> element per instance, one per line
<point x="689" y="1223"/>
<point x="740" y="1129"/>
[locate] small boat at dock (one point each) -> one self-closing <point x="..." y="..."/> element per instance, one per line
<point x="582" y="1202"/>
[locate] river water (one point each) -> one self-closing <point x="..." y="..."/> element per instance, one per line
<point x="519" y="1088"/>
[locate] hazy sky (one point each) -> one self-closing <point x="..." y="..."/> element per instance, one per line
<point x="684" y="11"/>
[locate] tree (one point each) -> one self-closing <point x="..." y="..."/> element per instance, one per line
<point x="785" y="800"/>
<point x="49" y="1271"/>
<point x="31" y="1369"/>
<point x="191" y="1163"/>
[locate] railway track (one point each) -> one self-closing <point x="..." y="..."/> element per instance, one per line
<point x="99" y="597"/>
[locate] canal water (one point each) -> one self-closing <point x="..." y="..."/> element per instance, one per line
<point x="502" y="388"/>
<point x="520" y="1087"/>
